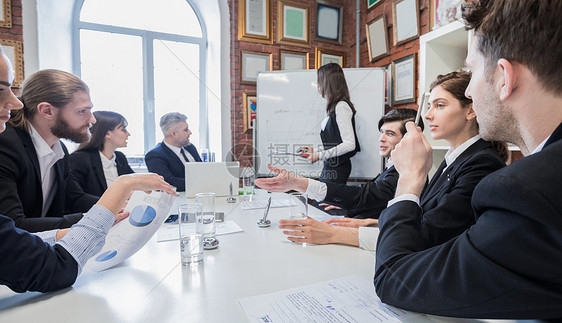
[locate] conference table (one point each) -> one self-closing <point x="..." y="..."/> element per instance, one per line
<point x="153" y="286"/>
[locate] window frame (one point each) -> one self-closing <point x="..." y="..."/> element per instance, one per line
<point x="148" y="38"/>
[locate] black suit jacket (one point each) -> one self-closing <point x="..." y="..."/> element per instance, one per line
<point x="445" y="203"/>
<point x="29" y="264"/>
<point x="21" y="196"/>
<point x="507" y="265"/>
<point x="164" y="162"/>
<point x="87" y="170"/>
<point x="367" y="200"/>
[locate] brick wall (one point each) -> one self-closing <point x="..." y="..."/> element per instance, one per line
<point x="14" y="33"/>
<point x="399" y="51"/>
<point x="242" y="140"/>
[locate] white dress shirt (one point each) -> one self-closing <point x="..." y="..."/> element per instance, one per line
<point x="47" y="157"/>
<point x="177" y="151"/>
<point x="343" y="119"/>
<point x="109" y="168"/>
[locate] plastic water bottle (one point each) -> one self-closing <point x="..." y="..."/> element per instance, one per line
<point x="205" y="155"/>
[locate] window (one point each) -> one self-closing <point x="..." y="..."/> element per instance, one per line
<point x="144" y="58"/>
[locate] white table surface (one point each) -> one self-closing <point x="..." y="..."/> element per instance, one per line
<point x="153" y="286"/>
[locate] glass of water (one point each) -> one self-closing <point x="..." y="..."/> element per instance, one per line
<point x="190" y="232"/>
<point x="208" y="225"/>
<point x="298" y="206"/>
<point x="248" y="186"/>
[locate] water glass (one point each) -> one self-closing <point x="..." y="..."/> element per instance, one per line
<point x="190" y="233"/>
<point x="248" y="186"/>
<point x="208" y="225"/>
<point x="298" y="206"/>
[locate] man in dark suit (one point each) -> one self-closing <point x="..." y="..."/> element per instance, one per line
<point x="506" y="265"/>
<point x="34" y="167"/>
<point x="168" y="157"/>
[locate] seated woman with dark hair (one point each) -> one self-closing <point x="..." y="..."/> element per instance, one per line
<point x="96" y="164"/>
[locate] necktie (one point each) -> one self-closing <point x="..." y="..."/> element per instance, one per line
<point x="184" y="156"/>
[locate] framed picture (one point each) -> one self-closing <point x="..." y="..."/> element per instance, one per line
<point x="403" y="80"/>
<point x="443" y="12"/>
<point x="372" y="3"/>
<point x="292" y="60"/>
<point x="254" y="21"/>
<point x="252" y="63"/>
<point x="387" y="83"/>
<point x="405" y="19"/>
<point x="14" y="50"/>
<point x="250" y="101"/>
<point x="329" y="22"/>
<point x="324" y="56"/>
<point x="293" y="23"/>
<point x="6" y="14"/>
<point x="377" y="39"/>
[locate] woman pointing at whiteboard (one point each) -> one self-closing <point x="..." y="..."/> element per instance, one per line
<point x="339" y="139"/>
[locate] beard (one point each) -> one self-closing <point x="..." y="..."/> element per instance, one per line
<point x="62" y="129"/>
<point x="496" y="120"/>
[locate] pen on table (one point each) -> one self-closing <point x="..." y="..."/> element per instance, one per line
<point x="264" y="222"/>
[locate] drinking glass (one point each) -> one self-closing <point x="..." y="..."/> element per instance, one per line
<point x="190" y="233"/>
<point x="298" y="206"/>
<point x="208" y="225"/>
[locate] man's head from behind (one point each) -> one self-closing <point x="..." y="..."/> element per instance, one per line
<point x="175" y="129"/>
<point x="393" y="127"/>
<point x="58" y="101"/>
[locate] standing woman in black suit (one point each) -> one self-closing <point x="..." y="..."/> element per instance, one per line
<point x="96" y="164"/>
<point x="338" y="135"/>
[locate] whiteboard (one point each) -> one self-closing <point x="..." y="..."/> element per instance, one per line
<point x="290" y="111"/>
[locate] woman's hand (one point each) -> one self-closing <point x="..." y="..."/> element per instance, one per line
<point x="308" y="230"/>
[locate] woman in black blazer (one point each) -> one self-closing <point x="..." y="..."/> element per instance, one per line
<point x="96" y="164"/>
<point x="339" y="139"/>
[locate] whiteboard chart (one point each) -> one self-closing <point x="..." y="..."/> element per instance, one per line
<point x="290" y="111"/>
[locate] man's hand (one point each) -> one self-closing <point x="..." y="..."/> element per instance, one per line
<point x="329" y="207"/>
<point x="412" y="158"/>
<point x="352" y="223"/>
<point x="283" y="182"/>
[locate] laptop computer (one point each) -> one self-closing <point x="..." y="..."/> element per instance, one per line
<point x="211" y="177"/>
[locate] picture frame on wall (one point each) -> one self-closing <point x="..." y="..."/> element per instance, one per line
<point x="250" y="104"/>
<point x="14" y="50"/>
<point x="324" y="56"/>
<point x="293" y="60"/>
<point x="254" y="21"/>
<point x="253" y="63"/>
<point x="387" y="85"/>
<point x="329" y="22"/>
<point x="377" y="39"/>
<point x="293" y="18"/>
<point x="443" y="12"/>
<point x="373" y="3"/>
<point x="403" y="80"/>
<point x="6" y="14"/>
<point x="405" y="20"/>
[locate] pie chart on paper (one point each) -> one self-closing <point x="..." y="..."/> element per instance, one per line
<point x="142" y="215"/>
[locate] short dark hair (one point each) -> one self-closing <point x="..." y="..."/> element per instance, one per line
<point x="105" y="121"/>
<point x="525" y="31"/>
<point x="400" y="114"/>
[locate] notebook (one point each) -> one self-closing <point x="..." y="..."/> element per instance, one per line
<point x="211" y="177"/>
